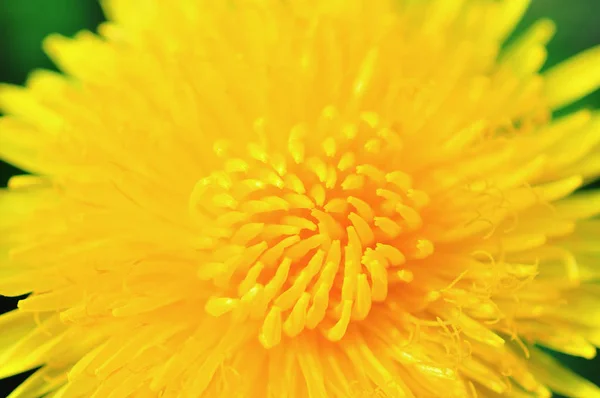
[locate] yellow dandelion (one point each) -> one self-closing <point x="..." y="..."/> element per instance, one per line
<point x="301" y="198"/>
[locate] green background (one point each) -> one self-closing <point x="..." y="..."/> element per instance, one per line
<point x="24" y="23"/>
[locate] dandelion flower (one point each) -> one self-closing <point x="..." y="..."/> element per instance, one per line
<point x="298" y="199"/>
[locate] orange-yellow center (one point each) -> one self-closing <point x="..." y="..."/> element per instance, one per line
<point x="311" y="234"/>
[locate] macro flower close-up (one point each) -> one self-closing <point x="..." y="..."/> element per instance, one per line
<point x="302" y="199"/>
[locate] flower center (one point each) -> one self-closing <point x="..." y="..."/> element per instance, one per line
<point x="311" y="235"/>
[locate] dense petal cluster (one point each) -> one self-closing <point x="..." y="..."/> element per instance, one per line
<point x="301" y="199"/>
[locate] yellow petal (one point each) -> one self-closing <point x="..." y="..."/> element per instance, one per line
<point x="582" y="205"/>
<point x="559" y="378"/>
<point x="511" y="12"/>
<point x="41" y="382"/>
<point x="23" y="344"/>
<point x="574" y="78"/>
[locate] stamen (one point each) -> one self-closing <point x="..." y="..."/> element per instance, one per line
<point x="287" y="247"/>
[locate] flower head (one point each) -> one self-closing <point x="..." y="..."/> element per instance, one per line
<point x="301" y="199"/>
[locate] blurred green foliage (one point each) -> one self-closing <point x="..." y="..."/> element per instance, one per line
<point x="24" y="24"/>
